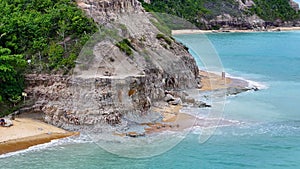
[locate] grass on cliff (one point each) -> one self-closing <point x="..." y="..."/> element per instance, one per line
<point x="165" y="38"/>
<point x="125" y="46"/>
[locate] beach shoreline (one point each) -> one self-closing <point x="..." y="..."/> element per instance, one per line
<point x="198" y="31"/>
<point x="28" y="132"/>
<point x="26" y="142"/>
<point x="174" y="119"/>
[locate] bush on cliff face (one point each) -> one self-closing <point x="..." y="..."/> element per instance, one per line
<point x="49" y="33"/>
<point x="125" y="46"/>
<point x="165" y="38"/>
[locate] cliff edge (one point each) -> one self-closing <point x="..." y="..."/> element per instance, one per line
<point x="123" y="70"/>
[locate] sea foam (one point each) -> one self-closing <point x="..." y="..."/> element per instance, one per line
<point x="251" y="83"/>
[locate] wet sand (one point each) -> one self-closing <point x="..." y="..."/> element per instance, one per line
<point x="27" y="132"/>
<point x="212" y="81"/>
<point x="173" y="120"/>
<point x="182" y="121"/>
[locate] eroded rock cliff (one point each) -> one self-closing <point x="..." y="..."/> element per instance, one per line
<point x="110" y="87"/>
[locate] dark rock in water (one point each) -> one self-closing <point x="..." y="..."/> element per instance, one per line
<point x="135" y="134"/>
<point x="176" y="102"/>
<point x="236" y="90"/>
<point x="201" y="104"/>
<point x="132" y="134"/>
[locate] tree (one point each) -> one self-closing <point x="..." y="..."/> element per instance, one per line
<point x="11" y="75"/>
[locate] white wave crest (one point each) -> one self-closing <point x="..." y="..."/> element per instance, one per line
<point x="251" y="84"/>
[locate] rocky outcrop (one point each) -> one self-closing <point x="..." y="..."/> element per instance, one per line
<point x="104" y="11"/>
<point x="245" y="4"/>
<point x="109" y="87"/>
<point x="242" y="19"/>
<point x="229" y="22"/>
<point x="294" y="5"/>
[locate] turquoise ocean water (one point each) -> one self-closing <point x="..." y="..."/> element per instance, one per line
<point x="268" y="135"/>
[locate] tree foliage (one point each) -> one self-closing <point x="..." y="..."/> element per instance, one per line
<point x="49" y="33"/>
<point x="11" y="74"/>
<point x="29" y="27"/>
<point x="271" y="10"/>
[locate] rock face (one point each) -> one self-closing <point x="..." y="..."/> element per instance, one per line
<point x="246" y="21"/>
<point x="108" y="10"/>
<point x="110" y="87"/>
<point x="236" y="20"/>
<point x="294" y="5"/>
<point x="245" y="4"/>
<point x="229" y="22"/>
<point x="228" y="14"/>
<point x="242" y="20"/>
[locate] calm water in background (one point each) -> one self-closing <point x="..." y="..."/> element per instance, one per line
<point x="268" y="137"/>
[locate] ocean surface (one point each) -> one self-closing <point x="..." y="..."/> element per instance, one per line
<point x="267" y="134"/>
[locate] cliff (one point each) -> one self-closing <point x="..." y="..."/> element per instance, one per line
<point x="123" y="71"/>
<point x="230" y="14"/>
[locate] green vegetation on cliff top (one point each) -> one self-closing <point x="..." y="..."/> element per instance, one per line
<point x="194" y="10"/>
<point x="271" y="10"/>
<point x="38" y="36"/>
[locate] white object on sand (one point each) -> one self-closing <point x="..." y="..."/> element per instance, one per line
<point x="8" y="123"/>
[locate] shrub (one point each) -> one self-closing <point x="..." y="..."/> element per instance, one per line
<point x="125" y="46"/>
<point x="165" y="38"/>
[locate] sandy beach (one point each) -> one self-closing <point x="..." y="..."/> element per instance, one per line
<point x="198" y="31"/>
<point x="212" y="81"/>
<point x="26" y="133"/>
